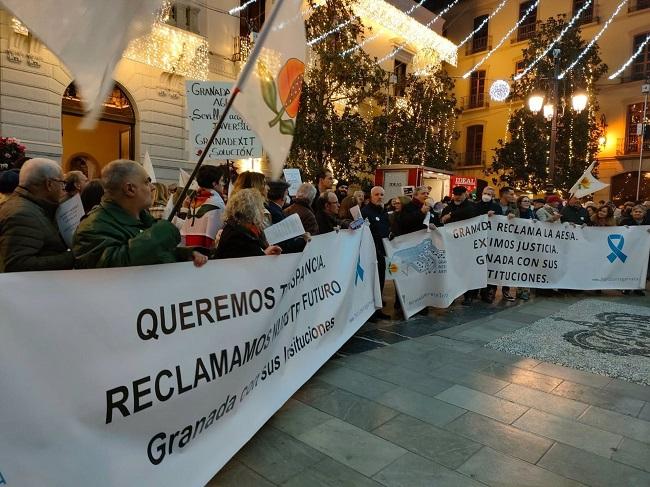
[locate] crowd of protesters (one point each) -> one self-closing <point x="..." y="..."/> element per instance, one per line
<point x="125" y="221"/>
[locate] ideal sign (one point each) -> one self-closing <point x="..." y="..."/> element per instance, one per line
<point x="469" y="183"/>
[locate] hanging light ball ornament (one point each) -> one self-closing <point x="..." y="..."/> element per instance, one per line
<point x="499" y="90"/>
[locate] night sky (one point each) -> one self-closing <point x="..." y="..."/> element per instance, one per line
<point x="437" y="5"/>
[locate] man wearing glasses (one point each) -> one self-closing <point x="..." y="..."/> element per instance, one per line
<point x="29" y="237"/>
<point x="120" y="232"/>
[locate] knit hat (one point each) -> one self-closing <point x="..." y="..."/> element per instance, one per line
<point x="553" y="199"/>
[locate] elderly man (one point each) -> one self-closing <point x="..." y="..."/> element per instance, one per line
<point x="411" y="218"/>
<point x="302" y="205"/>
<point x="327" y="215"/>
<point x="573" y="212"/>
<point x="460" y="207"/>
<point x="120" y="232"/>
<point x="380" y="228"/>
<point x="29" y="237"/>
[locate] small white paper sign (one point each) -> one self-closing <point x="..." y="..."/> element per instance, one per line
<point x="290" y="227"/>
<point x="292" y="176"/>
<point x="426" y="221"/>
<point x="355" y="211"/>
<point x="68" y="216"/>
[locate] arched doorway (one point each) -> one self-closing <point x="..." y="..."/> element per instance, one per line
<point x="624" y="187"/>
<point x="112" y="138"/>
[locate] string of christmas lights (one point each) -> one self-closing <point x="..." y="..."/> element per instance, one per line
<point x="374" y="36"/>
<point x="631" y="58"/>
<point x="428" y="24"/>
<point x="557" y="39"/>
<point x="503" y="39"/>
<point x="593" y="41"/>
<point x="471" y="34"/>
<point x="244" y="6"/>
<point x="321" y="37"/>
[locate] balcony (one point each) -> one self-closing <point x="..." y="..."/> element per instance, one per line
<point x="478" y="44"/>
<point x="525" y="32"/>
<point x="630" y="145"/>
<point x="470" y="159"/>
<point x="634" y="5"/>
<point x="588" y="16"/>
<point x="478" y="100"/>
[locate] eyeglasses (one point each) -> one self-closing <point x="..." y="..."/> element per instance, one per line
<point x="57" y="180"/>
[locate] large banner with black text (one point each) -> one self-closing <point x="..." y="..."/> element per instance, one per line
<point x="158" y="375"/>
<point x="534" y="254"/>
<point x="432" y="268"/>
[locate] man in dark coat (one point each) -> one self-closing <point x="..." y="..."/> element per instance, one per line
<point x="302" y="206"/>
<point x="486" y="206"/>
<point x="411" y="217"/>
<point x="460" y="207"/>
<point x="276" y="198"/>
<point x="29" y="236"/>
<point x="380" y="228"/>
<point x="120" y="232"/>
<point x="573" y="212"/>
<point x="327" y="214"/>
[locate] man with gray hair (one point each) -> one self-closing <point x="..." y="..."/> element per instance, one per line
<point x="120" y="232"/>
<point x="302" y="204"/>
<point x="29" y="237"/>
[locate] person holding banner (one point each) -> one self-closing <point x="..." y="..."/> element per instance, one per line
<point x="29" y="237"/>
<point x="411" y="217"/>
<point x="242" y="234"/>
<point x="487" y="206"/>
<point x="574" y="213"/>
<point x="460" y="207"/>
<point x="377" y="217"/>
<point x="205" y="211"/>
<point x="120" y="232"/>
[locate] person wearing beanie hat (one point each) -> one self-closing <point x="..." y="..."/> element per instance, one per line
<point x="341" y="190"/>
<point x="550" y="211"/>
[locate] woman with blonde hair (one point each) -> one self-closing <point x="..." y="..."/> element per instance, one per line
<point x="160" y="197"/>
<point x="242" y="235"/>
<point x="603" y="217"/>
<point x="254" y="180"/>
<point x="344" y="210"/>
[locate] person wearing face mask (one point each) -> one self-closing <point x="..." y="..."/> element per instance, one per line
<point x="487" y="206"/>
<point x="526" y="212"/>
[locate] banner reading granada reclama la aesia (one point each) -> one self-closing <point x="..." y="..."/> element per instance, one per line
<point x="158" y="375"/>
<point x="529" y="253"/>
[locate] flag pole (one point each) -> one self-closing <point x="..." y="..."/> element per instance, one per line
<point x="217" y="127"/>
<point x="245" y="72"/>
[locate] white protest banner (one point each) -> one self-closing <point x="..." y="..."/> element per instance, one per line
<point x="119" y="378"/>
<point x="292" y="176"/>
<point x="434" y="268"/>
<point x="68" y="215"/>
<point x="288" y="228"/>
<point x="529" y="253"/>
<point x="205" y="103"/>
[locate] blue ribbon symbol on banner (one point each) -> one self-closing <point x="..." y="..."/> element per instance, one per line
<point x="616" y="248"/>
<point x="360" y="272"/>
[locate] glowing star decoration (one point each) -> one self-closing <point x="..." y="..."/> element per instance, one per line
<point x="499" y="90"/>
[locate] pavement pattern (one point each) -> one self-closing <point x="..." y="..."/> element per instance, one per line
<point x="423" y="402"/>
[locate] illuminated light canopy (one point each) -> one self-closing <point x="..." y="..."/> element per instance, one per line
<point x="418" y="36"/>
<point x="19" y="27"/>
<point x="172" y="50"/>
<point x="499" y="90"/>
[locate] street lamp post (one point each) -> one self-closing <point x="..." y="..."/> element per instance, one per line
<point x="392" y="80"/>
<point x="551" y="152"/>
<point x="550" y="111"/>
<point x="645" y="88"/>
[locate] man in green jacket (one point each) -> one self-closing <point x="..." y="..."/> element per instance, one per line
<point x="120" y="232"/>
<point x="29" y="236"/>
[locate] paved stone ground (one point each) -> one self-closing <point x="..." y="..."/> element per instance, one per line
<point x="423" y="403"/>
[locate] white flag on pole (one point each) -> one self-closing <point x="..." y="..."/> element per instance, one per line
<point x="148" y="166"/>
<point x="183" y="178"/>
<point x="88" y="36"/>
<point x="587" y="184"/>
<point x="271" y="81"/>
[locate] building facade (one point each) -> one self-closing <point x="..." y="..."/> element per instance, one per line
<point x="483" y="120"/>
<point x="40" y="105"/>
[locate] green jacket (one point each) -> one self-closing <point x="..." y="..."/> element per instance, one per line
<point x="110" y="237"/>
<point x="29" y="237"/>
